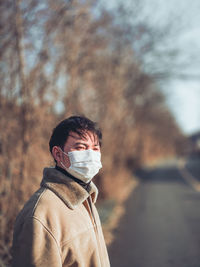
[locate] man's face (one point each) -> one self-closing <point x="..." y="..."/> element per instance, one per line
<point x="75" y="142"/>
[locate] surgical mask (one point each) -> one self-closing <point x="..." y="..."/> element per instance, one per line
<point x="84" y="164"/>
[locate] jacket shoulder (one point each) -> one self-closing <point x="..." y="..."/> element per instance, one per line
<point x="42" y="205"/>
<point x="54" y="215"/>
<point x="29" y="207"/>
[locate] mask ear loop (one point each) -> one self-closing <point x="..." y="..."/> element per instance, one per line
<point x="63" y="165"/>
<point x="63" y="151"/>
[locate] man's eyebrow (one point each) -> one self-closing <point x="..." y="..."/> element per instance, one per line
<point x="80" y="143"/>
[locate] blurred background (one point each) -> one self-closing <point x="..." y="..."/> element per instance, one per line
<point x="132" y="66"/>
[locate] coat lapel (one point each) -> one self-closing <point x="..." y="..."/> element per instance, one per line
<point x="69" y="191"/>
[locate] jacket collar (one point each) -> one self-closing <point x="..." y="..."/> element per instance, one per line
<point x="69" y="191"/>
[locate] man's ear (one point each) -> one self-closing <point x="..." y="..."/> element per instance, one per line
<point x="56" y="153"/>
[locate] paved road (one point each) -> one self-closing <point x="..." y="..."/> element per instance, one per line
<point x="161" y="227"/>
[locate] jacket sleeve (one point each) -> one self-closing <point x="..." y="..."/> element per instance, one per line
<point x="35" y="246"/>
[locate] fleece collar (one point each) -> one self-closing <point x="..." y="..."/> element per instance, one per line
<point x="71" y="193"/>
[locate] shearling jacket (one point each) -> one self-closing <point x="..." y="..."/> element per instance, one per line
<point x="59" y="226"/>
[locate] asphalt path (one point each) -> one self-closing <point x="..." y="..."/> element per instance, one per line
<point x="161" y="226"/>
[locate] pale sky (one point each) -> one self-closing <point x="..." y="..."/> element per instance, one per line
<point x="183" y="96"/>
<point x="184" y="101"/>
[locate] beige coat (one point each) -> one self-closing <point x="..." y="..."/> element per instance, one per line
<point x="59" y="226"/>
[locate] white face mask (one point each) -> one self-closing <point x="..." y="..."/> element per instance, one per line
<point x="84" y="164"/>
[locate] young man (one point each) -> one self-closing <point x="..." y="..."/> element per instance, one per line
<point x="59" y="225"/>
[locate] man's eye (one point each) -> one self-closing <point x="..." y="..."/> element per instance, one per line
<point x="80" y="147"/>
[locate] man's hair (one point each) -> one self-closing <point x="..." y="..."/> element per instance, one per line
<point x="77" y="124"/>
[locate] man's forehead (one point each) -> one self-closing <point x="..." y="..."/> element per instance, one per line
<point x="85" y="136"/>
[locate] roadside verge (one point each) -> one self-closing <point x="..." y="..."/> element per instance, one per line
<point x="188" y="177"/>
<point x="116" y="211"/>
